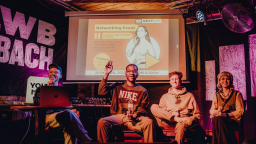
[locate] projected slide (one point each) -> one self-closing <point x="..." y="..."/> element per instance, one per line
<point x="144" y="42"/>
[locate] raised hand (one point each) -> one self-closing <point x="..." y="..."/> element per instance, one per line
<point x="109" y="67"/>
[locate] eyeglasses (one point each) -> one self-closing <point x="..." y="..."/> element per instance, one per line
<point x="133" y="71"/>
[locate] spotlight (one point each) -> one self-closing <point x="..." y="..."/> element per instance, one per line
<point x="200" y="15"/>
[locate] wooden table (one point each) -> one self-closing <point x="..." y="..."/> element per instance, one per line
<point x="39" y="113"/>
<point x="90" y="105"/>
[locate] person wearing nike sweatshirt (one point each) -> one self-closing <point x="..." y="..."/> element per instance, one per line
<point x="120" y="115"/>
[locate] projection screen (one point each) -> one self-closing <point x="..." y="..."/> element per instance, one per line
<point x="155" y="42"/>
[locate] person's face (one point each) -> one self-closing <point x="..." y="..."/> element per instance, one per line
<point x="131" y="73"/>
<point x="54" y="73"/>
<point x="225" y="82"/>
<point x="175" y="81"/>
<point x="141" y="32"/>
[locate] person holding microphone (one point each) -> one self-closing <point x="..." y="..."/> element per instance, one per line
<point x="130" y="116"/>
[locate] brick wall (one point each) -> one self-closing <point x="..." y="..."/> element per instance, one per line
<point x="85" y="90"/>
<point x="12" y="99"/>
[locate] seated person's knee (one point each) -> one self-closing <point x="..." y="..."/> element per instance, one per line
<point x="154" y="107"/>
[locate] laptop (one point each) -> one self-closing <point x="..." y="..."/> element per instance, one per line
<point x="55" y="96"/>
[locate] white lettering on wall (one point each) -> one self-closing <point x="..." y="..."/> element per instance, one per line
<point x="18" y="21"/>
<point x="28" y="54"/>
<point x="46" y="32"/>
<point x="44" y="58"/>
<point x="17" y="53"/>
<point x="5" y="44"/>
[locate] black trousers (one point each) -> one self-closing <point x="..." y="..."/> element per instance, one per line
<point x="223" y="130"/>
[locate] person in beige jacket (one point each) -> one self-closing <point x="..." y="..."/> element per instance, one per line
<point x="226" y="111"/>
<point x="178" y="107"/>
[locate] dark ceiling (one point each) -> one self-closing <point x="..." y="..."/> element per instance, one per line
<point x="212" y="8"/>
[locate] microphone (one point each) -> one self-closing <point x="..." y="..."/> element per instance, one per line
<point x="52" y="80"/>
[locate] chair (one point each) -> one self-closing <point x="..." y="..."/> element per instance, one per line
<point x="129" y="136"/>
<point x="237" y="134"/>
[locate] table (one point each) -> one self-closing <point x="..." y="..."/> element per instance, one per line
<point x="39" y="113"/>
<point x="90" y="105"/>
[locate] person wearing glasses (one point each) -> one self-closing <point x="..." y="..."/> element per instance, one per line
<point x="226" y="111"/>
<point x="67" y="120"/>
<point x="178" y="108"/>
<point x="121" y="116"/>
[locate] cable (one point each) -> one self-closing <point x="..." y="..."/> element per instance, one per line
<point x="27" y="130"/>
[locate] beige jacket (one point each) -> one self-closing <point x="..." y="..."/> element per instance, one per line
<point x="187" y="106"/>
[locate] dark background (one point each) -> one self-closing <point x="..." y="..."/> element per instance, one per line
<point x="205" y="41"/>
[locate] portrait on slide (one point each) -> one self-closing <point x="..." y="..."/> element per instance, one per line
<point x="140" y="45"/>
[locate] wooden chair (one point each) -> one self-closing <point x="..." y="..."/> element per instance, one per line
<point x="129" y="136"/>
<point x="209" y="133"/>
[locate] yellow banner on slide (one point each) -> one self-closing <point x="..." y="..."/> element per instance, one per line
<point x="115" y="27"/>
<point x="117" y="35"/>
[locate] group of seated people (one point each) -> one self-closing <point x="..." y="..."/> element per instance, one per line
<point x="177" y="107"/>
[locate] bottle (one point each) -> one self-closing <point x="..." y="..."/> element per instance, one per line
<point x="130" y="105"/>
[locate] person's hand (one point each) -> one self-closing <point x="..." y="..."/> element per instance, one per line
<point x="135" y="40"/>
<point x="51" y="82"/>
<point x="220" y="108"/>
<point x="176" y="114"/>
<point x="219" y="113"/>
<point x="129" y="115"/>
<point x="109" y="67"/>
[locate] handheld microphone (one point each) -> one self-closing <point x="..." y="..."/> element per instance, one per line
<point x="52" y="80"/>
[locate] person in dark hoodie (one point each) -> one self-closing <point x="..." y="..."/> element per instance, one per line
<point x="120" y="115"/>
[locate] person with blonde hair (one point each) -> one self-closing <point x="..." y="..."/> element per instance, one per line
<point x="179" y="108"/>
<point x="226" y="110"/>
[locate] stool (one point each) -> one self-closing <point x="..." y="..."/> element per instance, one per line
<point x="130" y="136"/>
